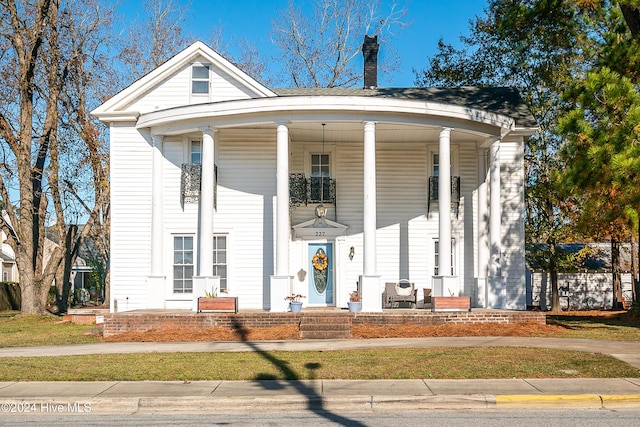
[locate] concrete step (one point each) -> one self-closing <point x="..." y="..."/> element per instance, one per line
<point x="325" y="326"/>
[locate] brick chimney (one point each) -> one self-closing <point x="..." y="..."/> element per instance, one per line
<point x="370" y="52"/>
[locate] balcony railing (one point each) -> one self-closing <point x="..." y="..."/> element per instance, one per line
<point x="455" y="192"/>
<point x="190" y="183"/>
<point x="303" y="190"/>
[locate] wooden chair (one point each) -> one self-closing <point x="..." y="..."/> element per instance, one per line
<point x="402" y="291"/>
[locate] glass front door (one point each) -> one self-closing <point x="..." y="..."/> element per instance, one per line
<point x="321" y="274"/>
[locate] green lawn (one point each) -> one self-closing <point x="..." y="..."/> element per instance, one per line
<point x="29" y="331"/>
<point x="442" y="363"/>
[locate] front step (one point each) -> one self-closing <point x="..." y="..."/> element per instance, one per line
<point x="325" y="326"/>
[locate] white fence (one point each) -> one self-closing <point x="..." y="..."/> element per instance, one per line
<point x="578" y="291"/>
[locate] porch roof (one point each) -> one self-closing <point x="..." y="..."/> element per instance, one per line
<point x="505" y="101"/>
<point x="481" y="111"/>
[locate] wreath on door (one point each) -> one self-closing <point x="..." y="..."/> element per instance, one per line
<point x="320" y="262"/>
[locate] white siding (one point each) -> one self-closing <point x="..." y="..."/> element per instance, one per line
<point x="245" y="209"/>
<point x="176" y="91"/>
<point x="468" y="170"/>
<point x="406" y="234"/>
<point x="512" y="199"/>
<point x="130" y="217"/>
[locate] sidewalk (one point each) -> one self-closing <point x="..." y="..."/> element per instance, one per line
<point x="358" y="395"/>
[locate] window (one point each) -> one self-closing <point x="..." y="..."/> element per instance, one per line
<point x="182" y="264"/>
<point x="200" y="79"/>
<point x="320" y="165"/>
<point x="320" y="178"/>
<point x="436" y="164"/>
<point x="196" y="152"/>
<point x="436" y="257"/>
<point x="220" y="259"/>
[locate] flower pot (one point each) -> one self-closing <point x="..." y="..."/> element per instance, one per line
<point x="223" y="304"/>
<point x="355" y="306"/>
<point x="296" y="307"/>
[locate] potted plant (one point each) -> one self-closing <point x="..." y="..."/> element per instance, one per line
<point x="212" y="302"/>
<point x="295" y="305"/>
<point x="354" y="303"/>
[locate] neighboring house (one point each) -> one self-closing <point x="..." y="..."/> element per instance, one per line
<point x="8" y="256"/>
<point x="589" y="286"/>
<point x="218" y="181"/>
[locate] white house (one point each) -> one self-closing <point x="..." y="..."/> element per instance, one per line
<point x="218" y="181"/>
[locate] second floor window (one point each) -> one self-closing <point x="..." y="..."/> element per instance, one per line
<point x="320" y="178"/>
<point x="196" y="153"/>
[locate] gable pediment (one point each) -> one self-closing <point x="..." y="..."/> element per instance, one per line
<point x="319" y="228"/>
<point x="169" y="86"/>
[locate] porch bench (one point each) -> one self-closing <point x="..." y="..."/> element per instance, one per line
<point x="402" y="291"/>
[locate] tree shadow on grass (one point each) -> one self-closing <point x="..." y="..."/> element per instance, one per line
<point x="315" y="401"/>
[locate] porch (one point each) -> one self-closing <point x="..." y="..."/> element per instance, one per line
<point x="311" y="323"/>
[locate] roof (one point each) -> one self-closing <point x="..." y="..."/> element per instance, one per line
<point x="505" y="101"/>
<point x="598" y="260"/>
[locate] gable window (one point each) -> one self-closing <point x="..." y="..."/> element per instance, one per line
<point x="200" y="80"/>
<point x="220" y="259"/>
<point x="182" y="264"/>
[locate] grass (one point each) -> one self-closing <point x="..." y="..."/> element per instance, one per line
<point x="29" y="331"/>
<point x="620" y="327"/>
<point x="445" y="363"/>
<point x="442" y="363"/>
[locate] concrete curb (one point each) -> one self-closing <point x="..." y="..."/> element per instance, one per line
<point x="235" y="404"/>
<point x="593" y="401"/>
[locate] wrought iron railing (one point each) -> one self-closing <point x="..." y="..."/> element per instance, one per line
<point x="455" y="192"/>
<point x="303" y="190"/>
<point x="190" y="183"/>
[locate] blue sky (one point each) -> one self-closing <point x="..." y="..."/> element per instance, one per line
<point x="251" y="20"/>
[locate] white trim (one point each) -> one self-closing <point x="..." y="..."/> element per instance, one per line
<point x="324" y="108"/>
<point x="199" y="97"/>
<point x="115" y="108"/>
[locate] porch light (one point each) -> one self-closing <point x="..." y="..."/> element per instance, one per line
<point x="352" y="253"/>
<point x="321" y="211"/>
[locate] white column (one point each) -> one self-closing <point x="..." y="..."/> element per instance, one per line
<point x="155" y="281"/>
<point x="483" y="229"/>
<point x="282" y="193"/>
<point x="207" y="185"/>
<point x="280" y="282"/>
<point x="496" y="291"/>
<point x="369" y="211"/>
<point x="204" y="281"/>
<point x="444" y="203"/>
<point x="156" y="207"/>
<point x="370" y="281"/>
<point x="495" y="210"/>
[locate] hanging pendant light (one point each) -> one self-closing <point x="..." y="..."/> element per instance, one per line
<point x="321" y="210"/>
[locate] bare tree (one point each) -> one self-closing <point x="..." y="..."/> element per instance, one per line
<point x="158" y="38"/>
<point x="317" y="50"/>
<point x="37" y="63"/>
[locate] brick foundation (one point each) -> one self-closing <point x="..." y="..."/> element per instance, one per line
<point x="116" y="323"/>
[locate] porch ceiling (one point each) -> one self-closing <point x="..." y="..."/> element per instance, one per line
<point x="335" y="132"/>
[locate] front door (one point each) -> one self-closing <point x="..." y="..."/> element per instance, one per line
<point x="321" y="274"/>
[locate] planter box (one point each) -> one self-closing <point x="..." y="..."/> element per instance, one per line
<point x="451" y="303"/>
<point x="220" y="304"/>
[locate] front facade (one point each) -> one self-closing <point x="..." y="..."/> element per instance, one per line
<point x="220" y="183"/>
